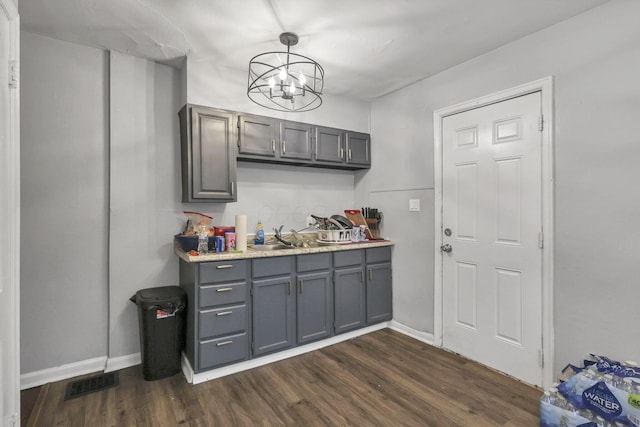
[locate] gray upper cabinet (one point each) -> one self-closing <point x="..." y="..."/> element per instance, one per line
<point x="295" y="141"/>
<point x="358" y="148"/>
<point x="208" y="154"/>
<point x="329" y="146"/>
<point x="257" y="136"/>
<point x="264" y="139"/>
<point x="269" y="140"/>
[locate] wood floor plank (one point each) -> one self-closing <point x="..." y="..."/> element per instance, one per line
<point x="380" y="379"/>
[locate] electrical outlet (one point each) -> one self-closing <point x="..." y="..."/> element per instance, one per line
<point x="310" y="221"/>
<point x="414" y="205"/>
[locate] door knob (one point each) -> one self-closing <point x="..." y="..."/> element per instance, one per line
<point x="446" y="248"/>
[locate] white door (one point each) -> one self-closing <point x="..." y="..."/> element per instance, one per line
<point x="9" y="221"/>
<point x="491" y="231"/>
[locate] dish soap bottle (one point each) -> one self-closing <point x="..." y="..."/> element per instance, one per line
<point x="259" y="240"/>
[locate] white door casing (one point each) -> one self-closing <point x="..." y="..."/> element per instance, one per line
<point x="9" y="215"/>
<point x="493" y="188"/>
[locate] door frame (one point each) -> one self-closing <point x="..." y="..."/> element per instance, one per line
<point x="10" y="248"/>
<point x="545" y="87"/>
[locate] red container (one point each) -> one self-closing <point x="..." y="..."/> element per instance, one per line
<point x="219" y="231"/>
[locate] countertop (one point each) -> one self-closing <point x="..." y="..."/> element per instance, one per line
<point x="250" y="253"/>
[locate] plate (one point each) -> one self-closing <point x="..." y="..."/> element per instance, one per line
<point x="330" y="242"/>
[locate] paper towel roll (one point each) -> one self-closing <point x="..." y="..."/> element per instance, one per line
<point x="241" y="233"/>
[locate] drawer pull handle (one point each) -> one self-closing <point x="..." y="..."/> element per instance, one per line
<point x="370" y="274"/>
<point x="289" y="292"/>
<point x="224" y="290"/>
<point x="220" y="344"/>
<point x="222" y="267"/>
<point x="301" y="286"/>
<point x="224" y="313"/>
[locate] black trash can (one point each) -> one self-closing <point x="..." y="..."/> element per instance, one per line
<point x="161" y="314"/>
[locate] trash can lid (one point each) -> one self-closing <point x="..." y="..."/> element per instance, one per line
<point x="163" y="295"/>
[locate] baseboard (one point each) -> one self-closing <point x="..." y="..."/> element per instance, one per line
<point x="265" y="360"/>
<point x="425" y="337"/>
<point x="63" y="372"/>
<point x="121" y="362"/>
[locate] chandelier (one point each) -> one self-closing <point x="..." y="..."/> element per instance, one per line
<point x="285" y="81"/>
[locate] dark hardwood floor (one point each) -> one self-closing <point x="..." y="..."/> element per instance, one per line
<point x="379" y="379"/>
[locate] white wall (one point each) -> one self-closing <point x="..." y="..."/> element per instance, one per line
<point x="144" y="183"/>
<point x="100" y="156"/>
<point x="595" y="60"/>
<point x="64" y="210"/>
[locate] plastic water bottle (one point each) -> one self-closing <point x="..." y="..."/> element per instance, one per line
<point x="203" y="241"/>
<point x="592" y="373"/>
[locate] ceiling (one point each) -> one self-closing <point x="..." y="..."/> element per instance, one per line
<point x="368" y="48"/>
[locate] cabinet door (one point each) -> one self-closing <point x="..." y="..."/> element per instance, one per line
<point x="314" y="306"/>
<point x="349" y="299"/>
<point x="295" y="140"/>
<point x="208" y="155"/>
<point x="329" y="146"/>
<point x="257" y="136"/>
<point x="379" y="299"/>
<point x="358" y="147"/>
<point x="273" y="315"/>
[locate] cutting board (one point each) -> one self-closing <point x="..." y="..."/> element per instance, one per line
<point x="355" y="215"/>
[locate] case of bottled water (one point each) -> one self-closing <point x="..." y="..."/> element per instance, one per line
<point x="600" y="393"/>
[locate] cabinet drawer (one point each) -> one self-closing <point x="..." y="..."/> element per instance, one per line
<point x="345" y="258"/>
<point x="378" y="255"/>
<point x="222" y="321"/>
<point x="272" y="266"/>
<point x="211" y="295"/>
<point x="223" y="271"/>
<point x="312" y="262"/>
<point x="223" y="350"/>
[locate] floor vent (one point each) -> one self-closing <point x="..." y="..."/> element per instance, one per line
<point x="89" y="385"/>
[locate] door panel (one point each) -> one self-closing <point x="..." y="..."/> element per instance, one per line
<point x="492" y="282"/>
<point x="295" y="140"/>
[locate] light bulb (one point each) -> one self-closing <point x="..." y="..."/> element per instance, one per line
<point x="302" y="79"/>
<point x="292" y="88"/>
<point x="283" y="74"/>
<point x="272" y="82"/>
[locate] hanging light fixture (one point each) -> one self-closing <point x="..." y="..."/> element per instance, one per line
<point x="285" y="81"/>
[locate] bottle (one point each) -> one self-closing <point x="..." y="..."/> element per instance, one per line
<point x="259" y="240"/>
<point x="203" y="241"/>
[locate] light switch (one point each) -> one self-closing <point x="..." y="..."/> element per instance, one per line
<point x="414" y="205"/>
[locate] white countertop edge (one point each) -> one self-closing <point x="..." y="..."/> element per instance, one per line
<point x="225" y="256"/>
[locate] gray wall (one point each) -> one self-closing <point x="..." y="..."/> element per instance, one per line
<point x="595" y="60"/>
<point x="64" y="210"/>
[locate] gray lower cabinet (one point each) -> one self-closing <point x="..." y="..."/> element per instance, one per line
<point x="379" y="291"/>
<point x="314" y="297"/>
<point x="245" y="308"/>
<point x="218" y="314"/>
<point x="273" y="299"/>
<point x="349" y="290"/>
<point x="208" y="154"/>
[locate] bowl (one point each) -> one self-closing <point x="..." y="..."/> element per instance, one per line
<point x="190" y="242"/>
